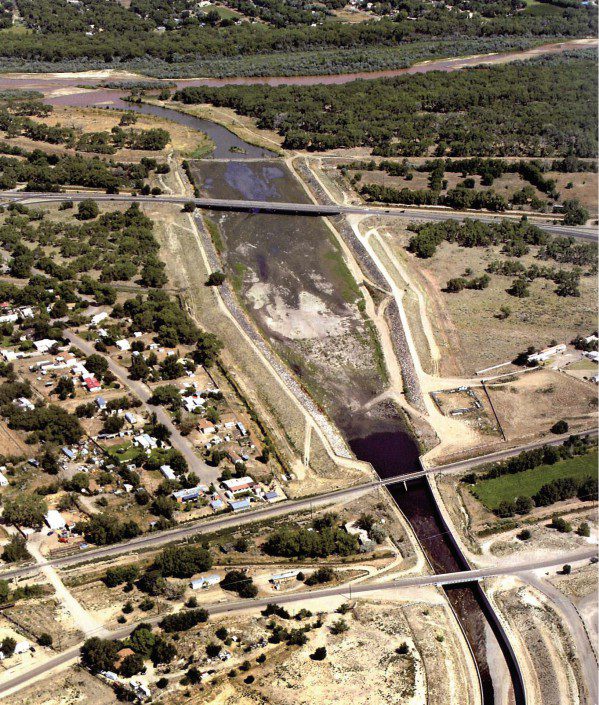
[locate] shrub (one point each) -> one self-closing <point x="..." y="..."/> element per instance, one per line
<point x="584" y="529"/>
<point x="524" y="535"/>
<point x="320" y="654"/>
<point x="561" y="524"/>
<point x="182" y="621"/>
<point x="560" y="427"/>
<point x="339" y="627"/>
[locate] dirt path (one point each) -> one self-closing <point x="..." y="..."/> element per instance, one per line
<point x="81" y="617"/>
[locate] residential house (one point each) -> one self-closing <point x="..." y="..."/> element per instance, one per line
<point x="55" y="520"/>
<point x="239" y="484"/>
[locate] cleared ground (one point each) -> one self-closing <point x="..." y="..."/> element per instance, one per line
<point x="72" y="687"/>
<point x="531" y="404"/>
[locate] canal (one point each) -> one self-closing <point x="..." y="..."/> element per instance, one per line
<point x="381" y="440"/>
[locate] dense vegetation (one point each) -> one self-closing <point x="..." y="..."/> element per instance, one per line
<point x="538" y="477"/>
<point x="93" y="33"/>
<point x="542" y="107"/>
<point x="324" y="538"/>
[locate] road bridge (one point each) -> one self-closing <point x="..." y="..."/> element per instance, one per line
<point x="303" y="209"/>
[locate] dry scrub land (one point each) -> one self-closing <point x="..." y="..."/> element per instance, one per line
<point x="184" y="140"/>
<point x="467" y="328"/>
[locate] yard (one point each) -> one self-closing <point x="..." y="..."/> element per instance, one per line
<point x="525" y="484"/>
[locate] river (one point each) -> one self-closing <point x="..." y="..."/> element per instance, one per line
<point x="390" y="449"/>
<point x="51" y="82"/>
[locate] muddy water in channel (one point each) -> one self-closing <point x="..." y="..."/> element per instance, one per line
<point x="283" y="265"/>
<point x="283" y="251"/>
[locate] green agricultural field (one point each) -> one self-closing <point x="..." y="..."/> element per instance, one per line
<point x="525" y="484"/>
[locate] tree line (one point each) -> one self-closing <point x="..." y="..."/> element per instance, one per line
<point x="541" y="107"/>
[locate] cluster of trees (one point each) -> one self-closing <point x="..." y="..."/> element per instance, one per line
<point x="464" y="196"/>
<point x="45" y="424"/>
<point x="15" y="121"/>
<point x="102" y="529"/>
<point x="326" y="538"/>
<point x="49" y="172"/>
<point x="550" y="493"/>
<point x="567" y="281"/>
<point x="459" y="283"/>
<point x="182" y="621"/>
<point x="529" y="459"/>
<point x="240" y="582"/>
<point x="152" y="140"/>
<point x="472" y="233"/>
<point x="25" y="509"/>
<point x="183" y="561"/>
<point x="99" y="654"/>
<point x="460" y="198"/>
<point x="517" y="238"/>
<point x="540" y="107"/>
<point x="108" y="32"/>
<point x="567" y="250"/>
<point x="159" y="313"/>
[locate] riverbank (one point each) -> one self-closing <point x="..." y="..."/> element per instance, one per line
<point x="50" y="75"/>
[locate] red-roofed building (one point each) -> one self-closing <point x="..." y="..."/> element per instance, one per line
<point x="92" y="384"/>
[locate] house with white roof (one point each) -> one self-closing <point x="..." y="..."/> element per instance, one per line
<point x="42" y="346"/>
<point x="55" y="520"/>
<point x="99" y="317"/>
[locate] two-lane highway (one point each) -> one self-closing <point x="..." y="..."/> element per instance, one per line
<point x="308" y="209"/>
<point x="521" y="570"/>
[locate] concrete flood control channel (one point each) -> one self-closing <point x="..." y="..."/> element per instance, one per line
<point x="381" y="441"/>
<point x="291" y="278"/>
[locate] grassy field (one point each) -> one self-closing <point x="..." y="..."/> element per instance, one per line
<point x="527" y="483"/>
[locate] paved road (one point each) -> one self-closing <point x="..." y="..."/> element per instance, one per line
<point x="296" y="209"/>
<point x="521" y="569"/>
<point x="205" y="472"/>
<point x="572" y="618"/>
<point x="231" y="521"/>
<point x="508" y="453"/>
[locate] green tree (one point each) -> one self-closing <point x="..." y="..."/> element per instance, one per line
<point x="183" y="561"/>
<point x="87" y="209"/>
<point x="25" y="509"/>
<point x="99" y="654"/>
<point x="574" y="212"/>
<point x="132" y="665"/>
<point x="215" y="279"/>
<point x="319" y="654"/>
<point x="16" y="550"/>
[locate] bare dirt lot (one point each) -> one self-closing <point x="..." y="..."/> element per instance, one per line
<point x="72" y="687"/>
<point x="535" y="401"/>
<point x="11" y="443"/>
<point x="361" y="665"/>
